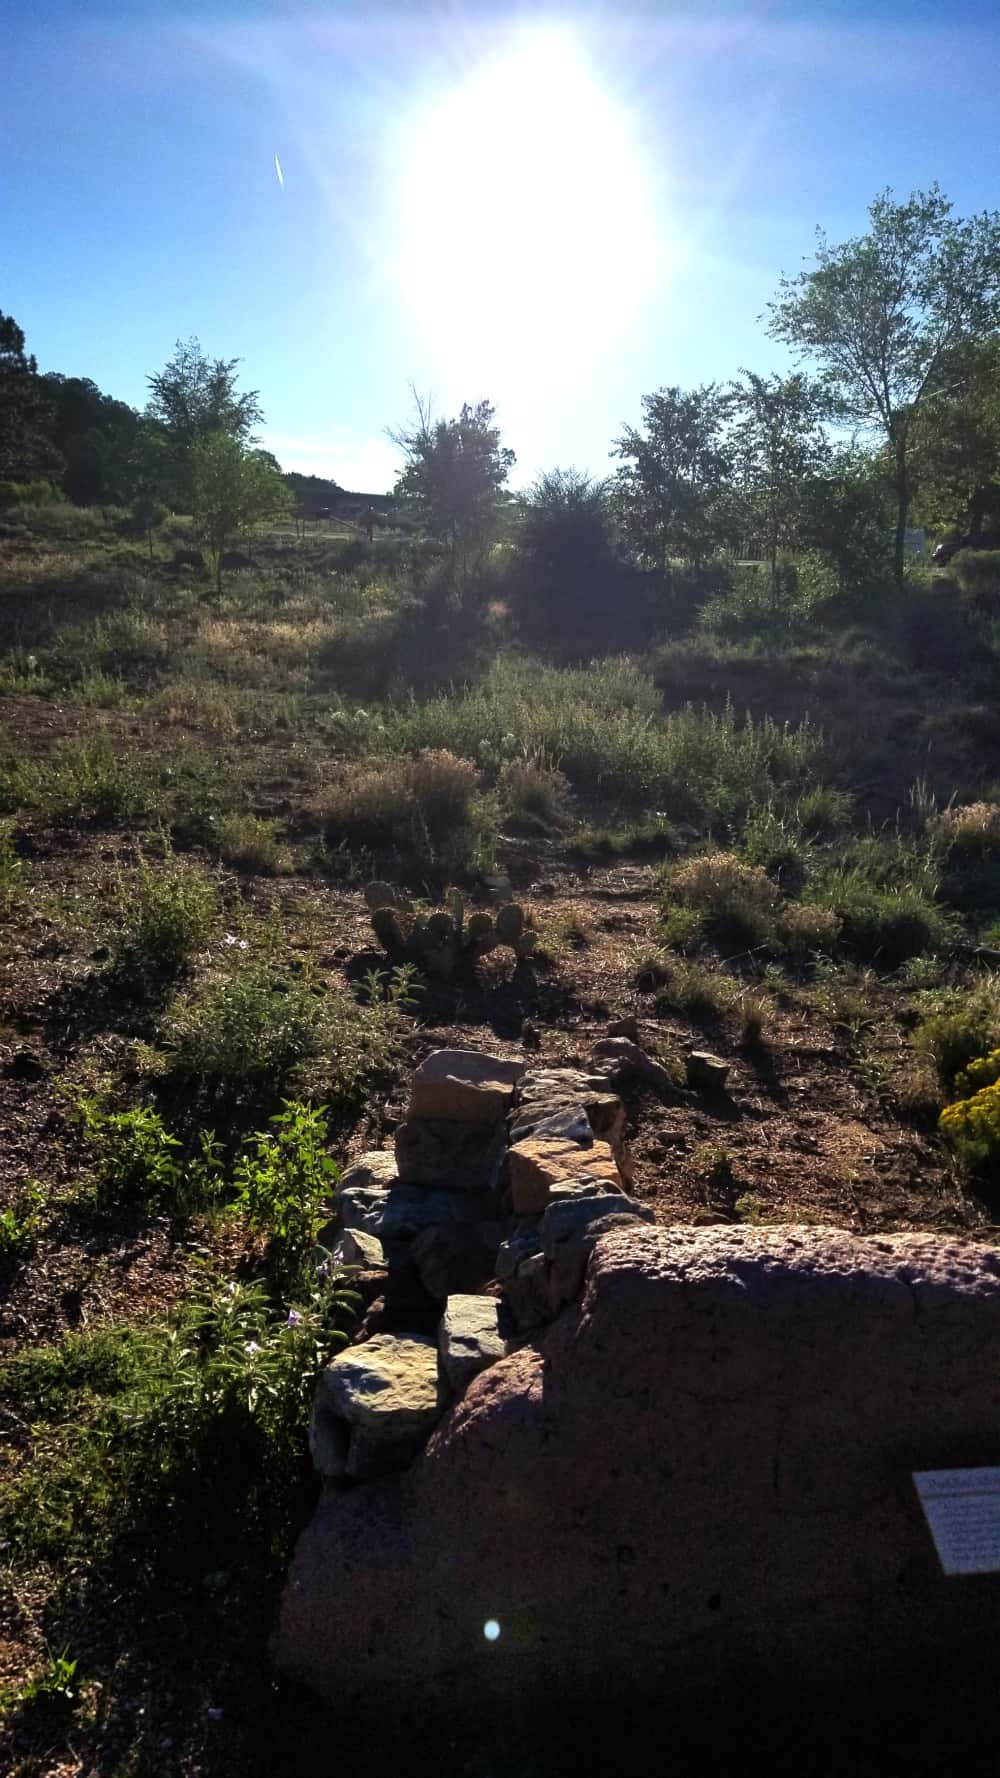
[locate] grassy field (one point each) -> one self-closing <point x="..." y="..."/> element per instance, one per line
<point x="776" y="836"/>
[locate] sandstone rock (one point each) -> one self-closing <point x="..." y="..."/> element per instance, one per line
<point x="465" y="1086"/>
<point x="538" y="1163"/>
<point x="461" y="1157"/>
<point x="560" y="1085"/>
<point x="569" y="1122"/>
<point x="386" y="1390"/>
<point x="698" y="1481"/>
<point x="356" y="1248"/>
<point x="705" y="1072"/>
<point x="625" y="1027"/>
<point x="470" y="1338"/>
<point x="377" y="1167"/>
<point x="455" y="1258"/>
<point x="626" y="1061"/>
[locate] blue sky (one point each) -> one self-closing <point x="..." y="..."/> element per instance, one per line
<point x="559" y="209"/>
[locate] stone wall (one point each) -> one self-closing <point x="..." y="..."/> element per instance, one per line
<point x="697" y="1476"/>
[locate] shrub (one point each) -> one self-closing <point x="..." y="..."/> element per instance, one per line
<point x="821" y="812"/>
<point x="971" y="1127"/>
<point x="778" y="848"/>
<point x="969" y="839"/>
<point x="421" y="806"/>
<point x="80" y="781"/>
<point x="250" y="843"/>
<point x="254" y="1030"/>
<point x="535" y="797"/>
<point x="735" y="901"/>
<point x="169" y="911"/>
<point x="956" y="1032"/>
<point x="806" y="929"/>
<point x="885" y="926"/>
<point x="21" y="1220"/>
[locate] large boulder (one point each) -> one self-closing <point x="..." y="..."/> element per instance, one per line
<point x="698" y="1476"/>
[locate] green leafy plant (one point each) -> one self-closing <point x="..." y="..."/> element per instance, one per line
<point x="54" y="1684"/>
<point x="285" y="1180"/>
<point x="137" y="1160"/>
<point x="249" y="843"/>
<point x="971" y="1126"/>
<point x="736" y="902"/>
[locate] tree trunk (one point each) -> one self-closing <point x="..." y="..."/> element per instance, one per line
<point x="902" y="512"/>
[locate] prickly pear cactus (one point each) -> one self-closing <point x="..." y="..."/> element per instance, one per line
<point x="437" y="943"/>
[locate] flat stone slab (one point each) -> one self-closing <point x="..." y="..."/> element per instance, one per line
<point x="470" y="1338"/>
<point x="388" y="1386"/>
<point x="464" y="1086"/>
<point x="377" y="1167"/>
<point x="537" y="1164"/>
<point x="356" y="1248"/>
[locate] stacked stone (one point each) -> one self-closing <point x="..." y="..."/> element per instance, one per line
<point x="567" y="1169"/>
<point x="496" y="1174"/>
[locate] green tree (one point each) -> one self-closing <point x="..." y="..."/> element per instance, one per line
<point x="956" y="445"/>
<point x="566" y="550"/>
<point x="192" y="399"/>
<point x="887" y="316"/>
<point x="232" y="488"/>
<point x="456" y="477"/>
<point x="673" y="493"/>
<point x="778" y="447"/>
<point x="26" y="446"/>
<point x="93" y="433"/>
<point x="844" y="514"/>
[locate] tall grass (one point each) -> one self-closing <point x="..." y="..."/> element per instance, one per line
<point x="604" y="728"/>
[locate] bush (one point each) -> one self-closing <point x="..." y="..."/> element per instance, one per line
<point x="695" y="990"/>
<point x="80" y="781"/>
<point x="955" y="1034"/>
<point x="536" y="798"/>
<point x="806" y="929"/>
<point x="777" y="846"/>
<point x="169" y="911"/>
<point x="255" y="1030"/>
<point x="886" y="926"/>
<point x="971" y="1127"/>
<point x="249" y="843"/>
<point x="969" y="839"/>
<point x="736" y="901"/>
<point x="421" y="807"/>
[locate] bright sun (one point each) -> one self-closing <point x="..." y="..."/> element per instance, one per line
<point x="526" y="237"/>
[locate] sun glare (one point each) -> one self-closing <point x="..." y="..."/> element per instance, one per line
<point x="526" y="235"/>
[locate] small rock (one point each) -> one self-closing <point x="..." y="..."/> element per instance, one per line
<point x="705" y="1072"/>
<point x="388" y="1396"/>
<point x="470" y="1338"/>
<point x="24" y="1065"/>
<point x="522" y="1244"/>
<point x="526" y="1293"/>
<point x="464" y="1085"/>
<point x="356" y="1248"/>
<point x="397" y="1217"/>
<point x="569" y="1217"/>
<point x="626" y="1027"/>
<point x="629" y="1062"/>
<point x="377" y="1167"/>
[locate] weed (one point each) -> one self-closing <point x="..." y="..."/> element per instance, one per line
<point x="284" y="1180"/>
<point x="535" y="798"/>
<point x="137" y="1160"/>
<point x="11" y="871"/>
<point x="680" y="927"/>
<point x="755" y="1013"/>
<point x="249" y="843"/>
<point x="735" y="901"/>
<point x="88" y="781"/>
<point x="959" y="1027"/>
<point x="806" y="930"/>
<point x="168" y="911"/>
<point x="885" y="926"/>
<point x="696" y="990"/>
<point x="55" y="1683"/>
<point x="421" y="807"/>
<point x="21" y="1220"/>
<point x="776" y="845"/>
<point x="254" y="1029"/>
